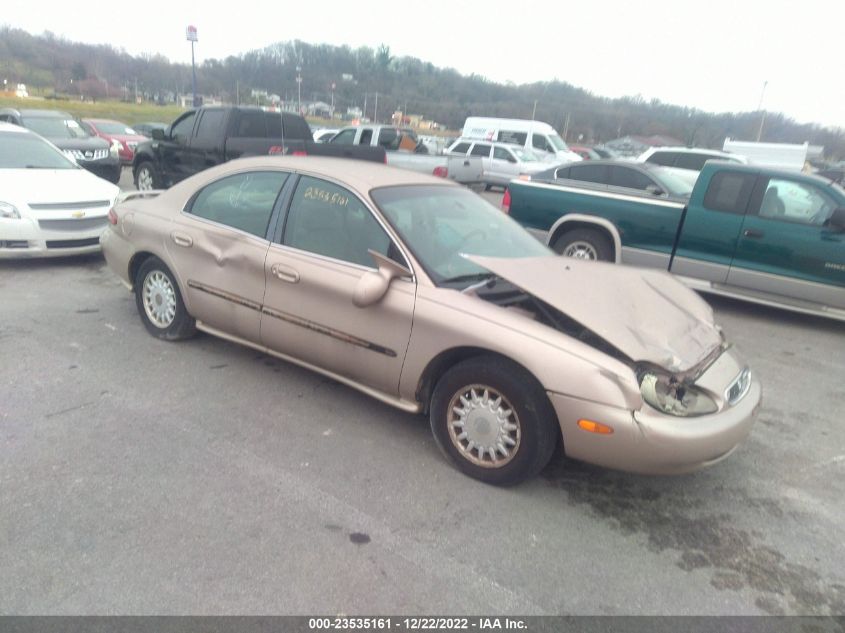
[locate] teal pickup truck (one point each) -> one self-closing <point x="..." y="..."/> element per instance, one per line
<point x="771" y="237"/>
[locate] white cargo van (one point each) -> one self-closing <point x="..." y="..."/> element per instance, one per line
<point x="536" y="136"/>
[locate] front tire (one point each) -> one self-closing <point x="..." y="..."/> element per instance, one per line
<point x="584" y="244"/>
<point x="160" y="303"/>
<point x="493" y="420"/>
<point x="146" y="177"/>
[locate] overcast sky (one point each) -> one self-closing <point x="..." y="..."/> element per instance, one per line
<point x="714" y="55"/>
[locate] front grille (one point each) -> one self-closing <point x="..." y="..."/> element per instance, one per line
<point x="91" y="241"/>
<point x="14" y="244"/>
<point x="68" y="206"/>
<point x="739" y="387"/>
<point x="88" y="154"/>
<point x="82" y="224"/>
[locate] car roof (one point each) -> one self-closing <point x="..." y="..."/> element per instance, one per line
<point x="689" y="150"/>
<point x="11" y="127"/>
<point x="103" y="121"/>
<point x="358" y="174"/>
<point x="36" y="112"/>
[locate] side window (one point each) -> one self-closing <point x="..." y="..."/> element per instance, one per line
<point x="87" y="127"/>
<point x="251" y="125"/>
<point x="540" y="142"/>
<point x="562" y="173"/>
<point x="366" y="137"/>
<point x="295" y="127"/>
<point x="508" y="136"/>
<point x="501" y="153"/>
<point x="388" y="138"/>
<point x="211" y="125"/>
<point x="329" y="220"/>
<point x="460" y="148"/>
<point x="795" y="202"/>
<point x="693" y="161"/>
<point x="589" y="173"/>
<point x="344" y="137"/>
<point x="243" y="201"/>
<point x="666" y="159"/>
<point x="729" y="191"/>
<point x="480" y="149"/>
<point x="182" y="130"/>
<point x="630" y="178"/>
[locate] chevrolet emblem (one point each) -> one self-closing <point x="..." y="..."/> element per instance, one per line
<point x="78" y="214"/>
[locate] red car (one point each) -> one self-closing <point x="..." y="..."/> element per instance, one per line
<point x="117" y="133"/>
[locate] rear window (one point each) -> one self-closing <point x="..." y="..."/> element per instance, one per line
<point x="460" y="148"/>
<point x="508" y="136"/>
<point x="589" y="173"/>
<point x="480" y="149"/>
<point x="693" y="161"/>
<point x="294" y="126"/>
<point x="251" y="125"/>
<point x="729" y="191"/>
<point x="667" y="159"/>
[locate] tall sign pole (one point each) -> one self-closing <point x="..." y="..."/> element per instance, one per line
<point x="191" y="33"/>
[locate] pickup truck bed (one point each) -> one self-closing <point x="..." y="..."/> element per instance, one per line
<point x="761" y="235"/>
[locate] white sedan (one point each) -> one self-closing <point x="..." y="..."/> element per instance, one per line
<point x="49" y="205"/>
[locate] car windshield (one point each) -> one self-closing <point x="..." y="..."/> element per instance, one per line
<point x="27" y="151"/>
<point x="55" y="127"/>
<point x="674" y="184"/>
<point x="526" y="156"/>
<point x="557" y="142"/>
<point x="441" y="224"/>
<point x="113" y="127"/>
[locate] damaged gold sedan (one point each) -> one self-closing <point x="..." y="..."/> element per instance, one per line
<point x="419" y="293"/>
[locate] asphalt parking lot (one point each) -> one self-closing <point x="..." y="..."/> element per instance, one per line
<point x="139" y="476"/>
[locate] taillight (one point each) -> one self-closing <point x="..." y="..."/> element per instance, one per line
<point x="441" y="171"/>
<point x="112" y="217"/>
<point x="299" y="152"/>
<point x="506" y="201"/>
<point x="276" y="149"/>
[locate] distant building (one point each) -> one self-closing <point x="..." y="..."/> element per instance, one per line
<point x="636" y="145"/>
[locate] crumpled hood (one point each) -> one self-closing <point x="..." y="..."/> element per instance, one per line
<point x="646" y="314"/>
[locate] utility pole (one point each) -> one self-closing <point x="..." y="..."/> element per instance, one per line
<point x="332" y="110"/>
<point x="363" y="116"/>
<point x="534" y="111"/>
<point x="375" y="111"/>
<point x="566" y="127"/>
<point x="763" y="113"/>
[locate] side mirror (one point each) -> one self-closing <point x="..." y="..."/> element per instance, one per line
<point x="157" y="134"/>
<point x="655" y="190"/>
<point x="837" y="220"/>
<point x="373" y="285"/>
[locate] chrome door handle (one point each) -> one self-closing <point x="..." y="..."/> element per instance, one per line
<point x="285" y="273"/>
<point x="181" y="239"/>
<point x="752" y="233"/>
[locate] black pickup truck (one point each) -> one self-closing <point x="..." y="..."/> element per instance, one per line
<point x="208" y="136"/>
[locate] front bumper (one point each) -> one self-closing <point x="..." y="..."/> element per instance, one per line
<point x="649" y="442"/>
<point x="25" y="238"/>
<point x="106" y="168"/>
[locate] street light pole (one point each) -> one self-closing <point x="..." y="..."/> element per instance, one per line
<point x="299" y="89"/>
<point x="763" y="115"/>
<point x="191" y="33"/>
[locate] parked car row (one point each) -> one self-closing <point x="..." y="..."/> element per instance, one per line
<point x="49" y="205"/>
<point x="95" y="154"/>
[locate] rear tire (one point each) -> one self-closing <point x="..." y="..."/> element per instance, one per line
<point x="493" y="420"/>
<point x="160" y="303"/>
<point x="589" y="244"/>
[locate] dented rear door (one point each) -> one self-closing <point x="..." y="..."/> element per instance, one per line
<point x="218" y="245"/>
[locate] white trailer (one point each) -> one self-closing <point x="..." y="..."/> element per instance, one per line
<point x="790" y="156"/>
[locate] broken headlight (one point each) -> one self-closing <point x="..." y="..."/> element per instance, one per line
<point x="669" y="395"/>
